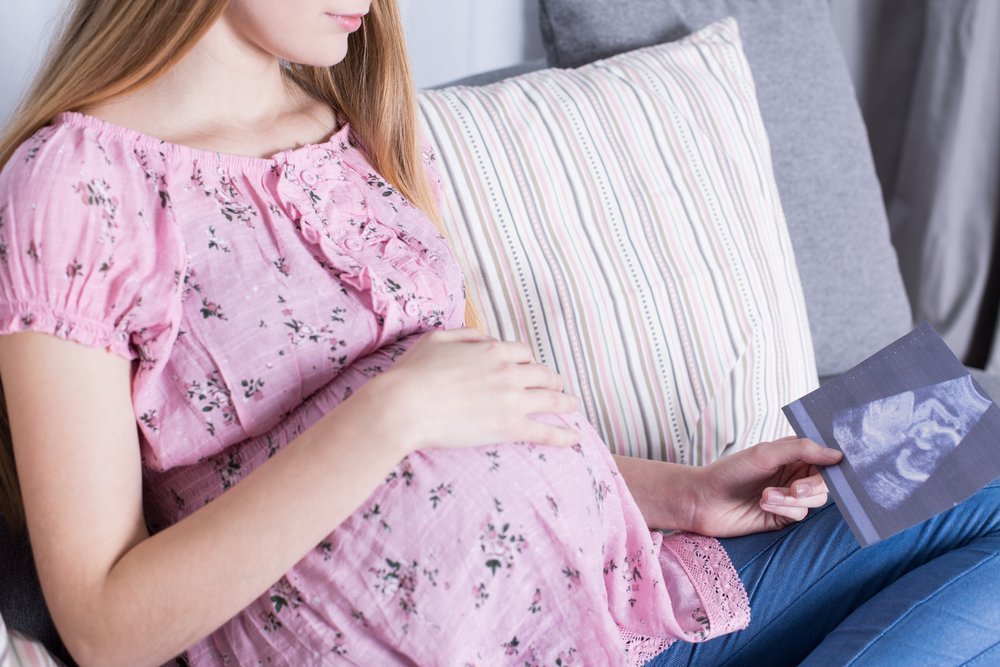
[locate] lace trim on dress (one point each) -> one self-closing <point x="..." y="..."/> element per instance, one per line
<point x="723" y="597"/>
<point x="640" y="649"/>
<point x="725" y="605"/>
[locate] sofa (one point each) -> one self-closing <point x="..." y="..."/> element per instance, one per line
<point x="812" y="231"/>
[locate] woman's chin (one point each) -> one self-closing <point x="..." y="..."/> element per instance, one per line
<point x="330" y="55"/>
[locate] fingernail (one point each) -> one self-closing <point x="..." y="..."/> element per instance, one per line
<point x="803" y="489"/>
<point x="776" y="497"/>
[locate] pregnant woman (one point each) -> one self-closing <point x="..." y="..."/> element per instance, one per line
<point x="254" y="420"/>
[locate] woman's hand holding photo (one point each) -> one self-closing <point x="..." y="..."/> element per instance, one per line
<point x="766" y="487"/>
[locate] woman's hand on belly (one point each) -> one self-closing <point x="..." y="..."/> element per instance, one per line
<point x="461" y="388"/>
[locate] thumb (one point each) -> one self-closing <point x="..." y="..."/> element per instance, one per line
<point x="791" y="450"/>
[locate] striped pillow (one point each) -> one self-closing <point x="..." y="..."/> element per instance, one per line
<point x="624" y="219"/>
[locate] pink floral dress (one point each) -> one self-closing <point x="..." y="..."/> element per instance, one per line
<point x="255" y="294"/>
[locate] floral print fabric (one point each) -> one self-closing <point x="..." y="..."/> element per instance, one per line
<point x="253" y="295"/>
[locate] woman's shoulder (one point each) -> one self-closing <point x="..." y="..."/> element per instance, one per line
<point x="73" y="191"/>
<point x="70" y="152"/>
<point x="84" y="251"/>
<point x="50" y="151"/>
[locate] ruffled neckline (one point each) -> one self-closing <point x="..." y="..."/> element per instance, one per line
<point x="190" y="153"/>
<point x="361" y="227"/>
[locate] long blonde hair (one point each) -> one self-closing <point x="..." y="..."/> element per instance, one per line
<point x="112" y="47"/>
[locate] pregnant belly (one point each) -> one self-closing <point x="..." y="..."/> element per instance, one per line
<point x="434" y="485"/>
<point x="451" y="541"/>
<point x="481" y="514"/>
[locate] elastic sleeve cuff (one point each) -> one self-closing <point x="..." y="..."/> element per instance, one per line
<point x="42" y="318"/>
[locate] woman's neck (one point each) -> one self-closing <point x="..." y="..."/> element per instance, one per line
<point x="225" y="95"/>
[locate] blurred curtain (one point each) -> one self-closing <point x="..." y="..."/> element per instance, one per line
<point x="927" y="74"/>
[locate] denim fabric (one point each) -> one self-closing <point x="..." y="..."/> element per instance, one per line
<point x="927" y="596"/>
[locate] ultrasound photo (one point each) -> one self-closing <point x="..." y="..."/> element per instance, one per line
<point x="918" y="434"/>
<point x="896" y="443"/>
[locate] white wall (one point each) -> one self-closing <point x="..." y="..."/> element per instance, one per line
<point x="448" y="39"/>
<point x="25" y="29"/>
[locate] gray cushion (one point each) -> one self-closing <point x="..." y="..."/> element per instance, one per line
<point x="822" y="161"/>
<point x="21" y="604"/>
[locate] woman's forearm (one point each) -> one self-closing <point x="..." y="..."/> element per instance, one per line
<point x="663" y="491"/>
<point x="174" y="588"/>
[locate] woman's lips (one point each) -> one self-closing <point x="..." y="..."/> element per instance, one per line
<point x="350" y="23"/>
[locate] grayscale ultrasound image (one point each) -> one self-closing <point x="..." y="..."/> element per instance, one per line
<point x="895" y="443"/>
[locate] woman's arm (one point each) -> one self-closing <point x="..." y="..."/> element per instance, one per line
<point x="764" y="487"/>
<point x="121" y="597"/>
<point x="663" y="491"/>
<point x="118" y="596"/>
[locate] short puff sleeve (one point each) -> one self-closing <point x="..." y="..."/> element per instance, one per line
<point x="86" y="251"/>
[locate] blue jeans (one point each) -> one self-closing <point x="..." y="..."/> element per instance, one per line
<point x="927" y="596"/>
